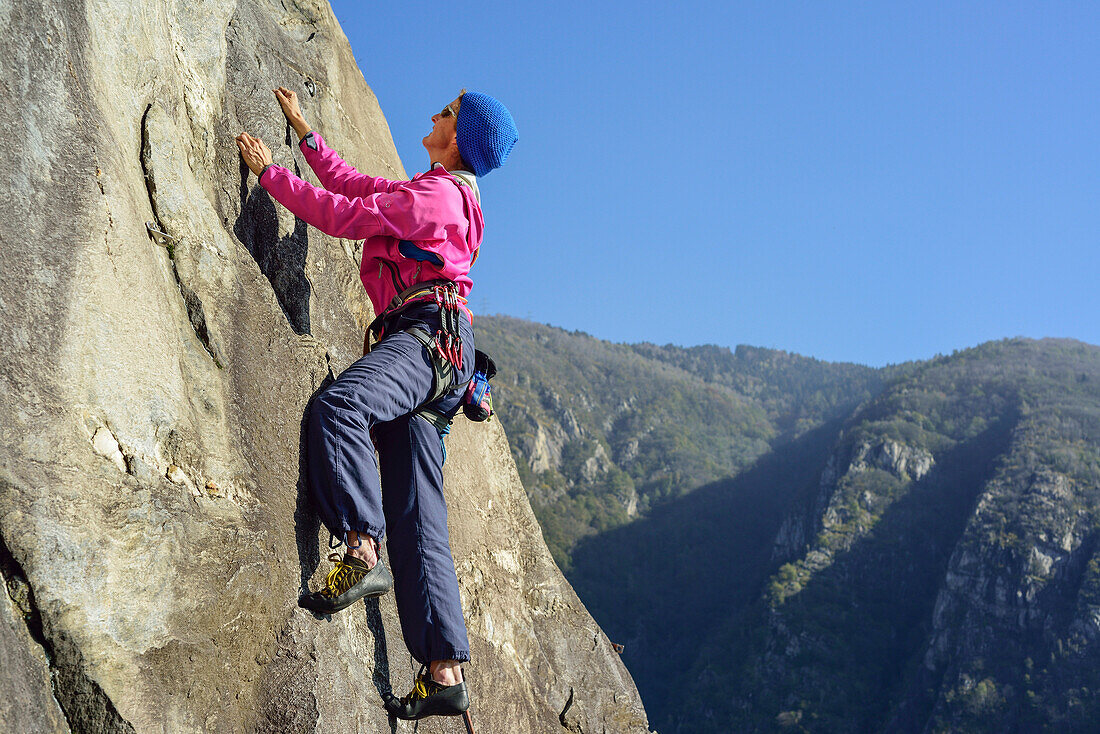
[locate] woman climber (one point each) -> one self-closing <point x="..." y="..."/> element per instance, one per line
<point x="420" y="239"/>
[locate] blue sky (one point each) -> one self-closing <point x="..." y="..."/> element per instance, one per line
<point x="867" y="182"/>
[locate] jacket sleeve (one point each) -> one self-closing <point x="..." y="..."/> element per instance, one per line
<point x="408" y="212"/>
<point x="336" y="174"/>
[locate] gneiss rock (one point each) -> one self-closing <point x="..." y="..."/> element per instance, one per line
<point x="152" y="396"/>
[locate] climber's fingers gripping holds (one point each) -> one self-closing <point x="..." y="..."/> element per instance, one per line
<point x="288" y="100"/>
<point x="256" y="155"/>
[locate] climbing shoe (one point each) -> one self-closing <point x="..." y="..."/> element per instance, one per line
<point x="429" y="698"/>
<point x="349" y="581"/>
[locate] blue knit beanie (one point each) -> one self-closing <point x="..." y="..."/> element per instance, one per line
<point x="486" y="132"/>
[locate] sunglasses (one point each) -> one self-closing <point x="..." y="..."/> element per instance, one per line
<point x="449" y="111"/>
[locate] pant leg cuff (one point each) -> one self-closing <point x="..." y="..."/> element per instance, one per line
<point x="449" y="652"/>
<point x="371" y="530"/>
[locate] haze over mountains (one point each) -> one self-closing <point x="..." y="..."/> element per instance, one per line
<point x="787" y="544"/>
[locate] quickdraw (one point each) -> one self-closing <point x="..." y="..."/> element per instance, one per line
<point x="445" y="347"/>
<point x="447" y="338"/>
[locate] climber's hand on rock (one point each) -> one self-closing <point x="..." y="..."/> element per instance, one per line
<point x="288" y="100"/>
<point x="255" y="153"/>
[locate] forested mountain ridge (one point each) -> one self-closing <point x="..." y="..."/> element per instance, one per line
<point x="913" y="549"/>
<point x="943" y="572"/>
<point x="603" y="431"/>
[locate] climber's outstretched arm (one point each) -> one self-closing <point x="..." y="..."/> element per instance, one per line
<point x="334" y="173"/>
<point x="409" y="214"/>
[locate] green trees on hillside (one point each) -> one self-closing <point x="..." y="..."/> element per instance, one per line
<point x="667" y="419"/>
<point x="906" y="549"/>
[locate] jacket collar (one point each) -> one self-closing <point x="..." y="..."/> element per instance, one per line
<point x="463" y="178"/>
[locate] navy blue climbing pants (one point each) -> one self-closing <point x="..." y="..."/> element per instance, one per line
<point x="399" y="496"/>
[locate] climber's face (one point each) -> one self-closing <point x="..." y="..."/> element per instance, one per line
<point x="444" y="134"/>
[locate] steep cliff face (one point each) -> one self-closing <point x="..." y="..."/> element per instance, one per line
<point x="155" y="525"/>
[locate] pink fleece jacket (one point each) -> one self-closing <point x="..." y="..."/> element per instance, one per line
<point x="413" y="231"/>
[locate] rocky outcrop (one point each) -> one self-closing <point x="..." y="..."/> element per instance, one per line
<point x="1028" y="592"/>
<point x="942" y="574"/>
<point x="925" y="560"/>
<point x="904" y="462"/>
<point x="542" y="446"/>
<point x="165" y="325"/>
<point x="842" y="512"/>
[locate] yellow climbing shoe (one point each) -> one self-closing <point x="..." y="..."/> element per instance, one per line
<point x="428" y="698"/>
<point x="349" y="581"/>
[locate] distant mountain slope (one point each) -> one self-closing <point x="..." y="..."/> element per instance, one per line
<point x="943" y="574"/>
<point x="905" y="549"/>
<point x="602" y="432"/>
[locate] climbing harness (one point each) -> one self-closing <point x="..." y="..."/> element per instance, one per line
<point x="443" y="368"/>
<point x="445" y="346"/>
<point x="446" y="351"/>
<point x="404" y="299"/>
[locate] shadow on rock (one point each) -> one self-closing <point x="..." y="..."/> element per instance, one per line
<point x="307" y="524"/>
<point x="381" y="674"/>
<point x="281" y="259"/>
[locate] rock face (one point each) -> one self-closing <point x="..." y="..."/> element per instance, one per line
<point x="155" y="524"/>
